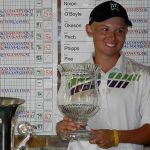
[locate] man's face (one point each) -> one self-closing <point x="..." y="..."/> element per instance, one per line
<point x="108" y="36"/>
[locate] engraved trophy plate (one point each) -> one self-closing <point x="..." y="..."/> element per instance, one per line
<point x="78" y="95"/>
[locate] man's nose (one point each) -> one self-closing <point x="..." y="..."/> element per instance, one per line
<point x="112" y="35"/>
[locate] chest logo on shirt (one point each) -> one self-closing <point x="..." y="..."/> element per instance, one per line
<point x="119" y="80"/>
<point x="115" y="80"/>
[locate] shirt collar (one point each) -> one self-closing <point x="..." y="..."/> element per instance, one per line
<point x="120" y="65"/>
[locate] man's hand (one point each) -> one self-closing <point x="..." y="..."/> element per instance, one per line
<point x="104" y="138"/>
<point x="67" y="125"/>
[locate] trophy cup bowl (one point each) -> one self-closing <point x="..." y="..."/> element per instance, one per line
<point x="78" y="96"/>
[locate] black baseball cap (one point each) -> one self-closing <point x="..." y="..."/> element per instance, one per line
<point x="108" y="10"/>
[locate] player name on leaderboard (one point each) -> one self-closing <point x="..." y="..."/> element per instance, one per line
<point x="74" y="16"/>
<point x="28" y="59"/>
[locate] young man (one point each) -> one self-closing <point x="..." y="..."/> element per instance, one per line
<point x="123" y="122"/>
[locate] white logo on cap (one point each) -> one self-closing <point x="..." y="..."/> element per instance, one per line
<point x="114" y="6"/>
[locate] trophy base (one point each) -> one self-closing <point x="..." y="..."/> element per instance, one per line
<point x="77" y="135"/>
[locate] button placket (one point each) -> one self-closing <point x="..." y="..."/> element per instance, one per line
<point x="103" y="90"/>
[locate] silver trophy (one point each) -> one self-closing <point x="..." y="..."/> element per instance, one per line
<point x="78" y="96"/>
<point x="8" y="119"/>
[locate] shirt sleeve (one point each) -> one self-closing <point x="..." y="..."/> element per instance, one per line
<point x="145" y="99"/>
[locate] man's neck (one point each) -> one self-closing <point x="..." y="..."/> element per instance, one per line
<point x="107" y="63"/>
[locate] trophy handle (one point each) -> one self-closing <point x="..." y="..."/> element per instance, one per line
<point x="24" y="128"/>
<point x="22" y="144"/>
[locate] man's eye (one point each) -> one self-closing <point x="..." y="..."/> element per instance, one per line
<point x="104" y="29"/>
<point x="121" y="31"/>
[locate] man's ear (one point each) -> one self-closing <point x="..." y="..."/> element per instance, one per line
<point x="88" y="30"/>
<point x="126" y="30"/>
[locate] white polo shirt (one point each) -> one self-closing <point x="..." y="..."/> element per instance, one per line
<point x="125" y="102"/>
